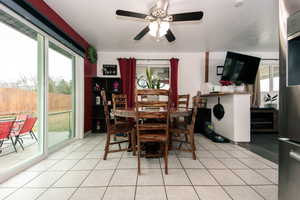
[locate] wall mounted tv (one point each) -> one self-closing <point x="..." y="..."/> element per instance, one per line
<point x="240" y="68"/>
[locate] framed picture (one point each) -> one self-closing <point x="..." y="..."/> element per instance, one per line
<point x="220" y="70"/>
<point x="109" y="70"/>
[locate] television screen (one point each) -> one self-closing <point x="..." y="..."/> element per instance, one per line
<point x="241" y="68"/>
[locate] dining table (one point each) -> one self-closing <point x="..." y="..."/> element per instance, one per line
<point x="131" y="113"/>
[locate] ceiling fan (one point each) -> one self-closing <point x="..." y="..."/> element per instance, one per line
<point x="159" y="20"/>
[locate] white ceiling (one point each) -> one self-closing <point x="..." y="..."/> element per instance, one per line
<point x="252" y="26"/>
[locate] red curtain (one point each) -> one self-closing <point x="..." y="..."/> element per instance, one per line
<point x="174" y="80"/>
<point x="128" y="76"/>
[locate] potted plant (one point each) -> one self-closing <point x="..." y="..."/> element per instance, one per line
<point x="226" y="86"/>
<point x="150" y="82"/>
<point x="269" y="101"/>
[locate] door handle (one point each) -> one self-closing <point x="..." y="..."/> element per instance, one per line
<point x="295" y="155"/>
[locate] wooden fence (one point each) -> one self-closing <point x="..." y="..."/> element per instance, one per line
<point x="13" y="100"/>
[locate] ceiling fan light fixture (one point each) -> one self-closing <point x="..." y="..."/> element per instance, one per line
<point x="162" y="26"/>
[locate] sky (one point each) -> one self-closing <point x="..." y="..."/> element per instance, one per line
<point x="19" y="57"/>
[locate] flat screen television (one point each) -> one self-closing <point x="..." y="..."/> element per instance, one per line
<point x="240" y="68"/>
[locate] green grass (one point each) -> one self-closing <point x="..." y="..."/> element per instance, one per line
<point x="59" y="122"/>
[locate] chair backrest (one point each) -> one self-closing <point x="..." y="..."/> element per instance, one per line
<point x="153" y="110"/>
<point x="106" y="109"/>
<point x="18" y="124"/>
<point x="5" y="128"/>
<point x="28" y="125"/>
<point x="119" y="101"/>
<point x="196" y="101"/>
<point x="183" y="101"/>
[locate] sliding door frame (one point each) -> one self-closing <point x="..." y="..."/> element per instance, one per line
<point x="43" y="89"/>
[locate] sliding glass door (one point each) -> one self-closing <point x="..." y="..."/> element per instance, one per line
<point x="21" y="92"/>
<point x="37" y="93"/>
<point x="61" y="95"/>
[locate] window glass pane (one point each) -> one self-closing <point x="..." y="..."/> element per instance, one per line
<point x="265" y="85"/>
<point x="160" y="75"/>
<point x="19" y="93"/>
<point x="60" y="101"/>
<point x="276" y="84"/>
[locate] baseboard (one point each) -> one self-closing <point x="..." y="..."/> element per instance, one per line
<point x="87" y="133"/>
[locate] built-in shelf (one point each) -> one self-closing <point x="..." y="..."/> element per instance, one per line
<point x="264" y="120"/>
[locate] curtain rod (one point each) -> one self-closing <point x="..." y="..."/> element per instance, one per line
<point x="269" y="59"/>
<point x="153" y="59"/>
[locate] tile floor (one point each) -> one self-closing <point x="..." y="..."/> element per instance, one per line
<point x="77" y="172"/>
<point x="9" y="158"/>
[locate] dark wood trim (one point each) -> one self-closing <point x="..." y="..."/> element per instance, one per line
<point x="206" y="67"/>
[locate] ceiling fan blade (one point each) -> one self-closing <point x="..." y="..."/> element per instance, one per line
<point x="170" y="36"/>
<point x="125" y="13"/>
<point x="142" y="33"/>
<point x="192" y="16"/>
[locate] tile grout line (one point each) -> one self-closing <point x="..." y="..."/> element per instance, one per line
<point x="107" y="186"/>
<point x="162" y="175"/>
<point x="188" y="176"/>
<point x="85" y="177"/>
<point x="39" y="174"/>
<point x="237" y="176"/>
<point x="65" y="172"/>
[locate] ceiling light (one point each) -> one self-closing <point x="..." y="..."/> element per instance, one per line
<point x="238" y="3"/>
<point x="158" y="29"/>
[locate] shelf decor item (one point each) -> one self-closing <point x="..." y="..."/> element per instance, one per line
<point x="220" y="70"/>
<point x="92" y="54"/>
<point x="109" y="70"/>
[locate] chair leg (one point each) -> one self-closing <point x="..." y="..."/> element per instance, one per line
<point x="133" y="142"/>
<point x="13" y="143"/>
<point x="193" y="145"/>
<point x="19" y="140"/>
<point x="139" y="156"/>
<point x="166" y="157"/>
<point x="33" y="135"/>
<point x="106" y="149"/>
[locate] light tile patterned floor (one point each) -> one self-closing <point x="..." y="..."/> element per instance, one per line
<point x="77" y="172"/>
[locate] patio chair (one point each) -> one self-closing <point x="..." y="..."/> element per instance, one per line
<point x="27" y="128"/>
<point x="5" y="129"/>
<point x="18" y="124"/>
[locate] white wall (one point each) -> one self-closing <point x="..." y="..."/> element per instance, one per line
<point x="191" y="65"/>
<point x="190" y="74"/>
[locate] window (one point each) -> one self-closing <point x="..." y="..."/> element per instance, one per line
<point x="60" y="96"/>
<point x="269" y="79"/>
<point x="159" y="75"/>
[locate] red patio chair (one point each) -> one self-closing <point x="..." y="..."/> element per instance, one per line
<point x="27" y="128"/>
<point x="5" y="129"/>
<point x="18" y="124"/>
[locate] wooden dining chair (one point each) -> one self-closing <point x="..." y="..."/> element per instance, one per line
<point x="113" y="129"/>
<point x="119" y="102"/>
<point x="183" y="101"/>
<point x="186" y="129"/>
<point x="152" y="122"/>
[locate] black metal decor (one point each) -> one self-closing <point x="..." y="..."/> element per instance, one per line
<point x="219" y="110"/>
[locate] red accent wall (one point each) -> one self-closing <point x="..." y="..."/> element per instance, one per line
<point x="90" y="70"/>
